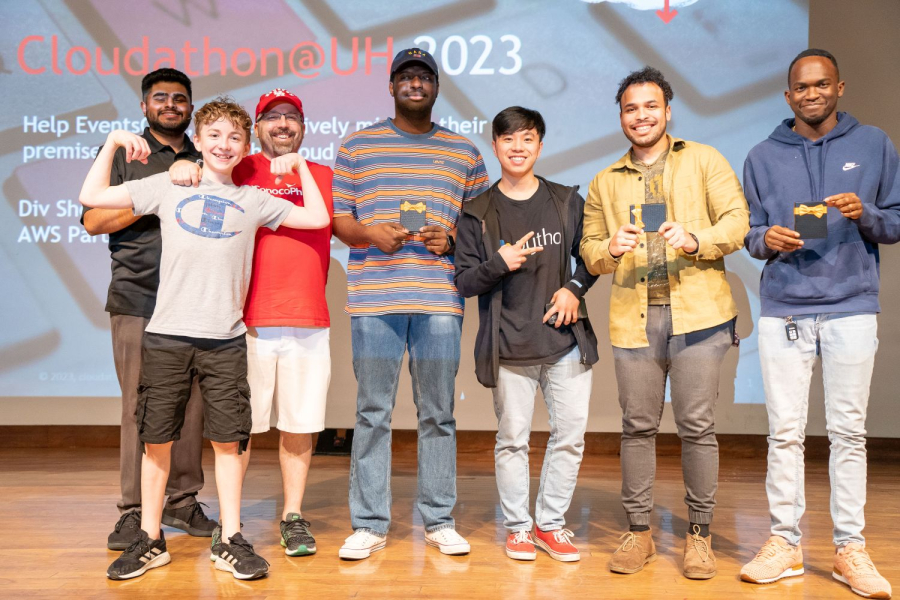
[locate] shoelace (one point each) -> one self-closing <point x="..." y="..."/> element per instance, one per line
<point x="197" y="511"/>
<point x="362" y="536"/>
<point x="562" y="536"/>
<point x="629" y="544"/>
<point x="244" y="549"/>
<point x="522" y="537"/>
<point x="769" y="550"/>
<point x="700" y="544"/>
<point x="298" y="530"/>
<point x="132" y="514"/>
<point x="450" y="536"/>
<point x="138" y="547"/>
<point x="860" y="559"/>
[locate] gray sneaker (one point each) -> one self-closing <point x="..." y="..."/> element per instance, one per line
<point x="296" y="537"/>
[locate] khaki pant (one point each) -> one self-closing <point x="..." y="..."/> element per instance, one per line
<point x="186" y="474"/>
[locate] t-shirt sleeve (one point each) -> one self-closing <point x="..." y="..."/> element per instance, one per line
<point x="272" y="210"/>
<point x="343" y="185"/>
<point x="147" y="194"/>
<point x="477" y="179"/>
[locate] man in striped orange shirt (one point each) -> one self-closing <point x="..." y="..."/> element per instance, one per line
<point x="398" y="189"/>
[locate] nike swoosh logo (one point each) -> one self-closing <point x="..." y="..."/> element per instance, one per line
<point x="849" y="166"/>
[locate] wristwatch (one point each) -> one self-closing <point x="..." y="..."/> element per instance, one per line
<point x="451" y="244"/>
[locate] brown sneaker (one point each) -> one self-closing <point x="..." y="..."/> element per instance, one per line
<point x="775" y="560"/>
<point x="853" y="566"/>
<point x="636" y="551"/>
<point x="699" y="560"/>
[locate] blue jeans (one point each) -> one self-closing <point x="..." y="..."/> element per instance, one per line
<point x="379" y="343"/>
<point x="847" y="343"/>
<point x="566" y="386"/>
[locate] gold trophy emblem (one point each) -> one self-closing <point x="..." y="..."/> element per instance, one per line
<point x="818" y="211"/>
<point x="419" y="207"/>
<point x="637" y="211"/>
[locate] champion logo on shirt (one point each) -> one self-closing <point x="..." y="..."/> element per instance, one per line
<point x="212" y="218"/>
<point x="850" y="165"/>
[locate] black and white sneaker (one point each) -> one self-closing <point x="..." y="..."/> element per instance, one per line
<point x="125" y="532"/>
<point x="142" y="555"/>
<point x="238" y="558"/>
<point x="190" y="518"/>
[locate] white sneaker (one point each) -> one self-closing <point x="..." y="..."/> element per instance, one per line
<point x="361" y="545"/>
<point x="447" y="541"/>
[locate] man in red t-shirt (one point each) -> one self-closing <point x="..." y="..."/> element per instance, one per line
<point x="288" y="354"/>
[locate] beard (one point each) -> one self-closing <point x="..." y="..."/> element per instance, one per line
<point x="177" y="128"/>
<point x="276" y="147"/>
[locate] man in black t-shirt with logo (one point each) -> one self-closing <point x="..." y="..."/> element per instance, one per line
<point x="135" y="246"/>
<point x="514" y="251"/>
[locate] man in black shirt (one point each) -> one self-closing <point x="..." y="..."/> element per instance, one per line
<point x="514" y="249"/>
<point x="135" y="246"/>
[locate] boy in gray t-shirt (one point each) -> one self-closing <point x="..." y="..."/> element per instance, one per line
<point x="208" y="236"/>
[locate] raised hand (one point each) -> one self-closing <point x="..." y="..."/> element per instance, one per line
<point x="136" y="147"/>
<point x="515" y="255"/>
<point x="285" y="164"/>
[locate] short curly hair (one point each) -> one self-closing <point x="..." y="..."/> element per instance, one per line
<point x="223" y="107"/>
<point x="645" y="75"/>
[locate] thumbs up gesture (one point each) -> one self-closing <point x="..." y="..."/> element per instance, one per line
<point x="514" y="255"/>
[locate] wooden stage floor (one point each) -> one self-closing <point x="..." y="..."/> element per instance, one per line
<point x="58" y="506"/>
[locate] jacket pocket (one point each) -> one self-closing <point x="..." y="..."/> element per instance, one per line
<point x="689" y="204"/>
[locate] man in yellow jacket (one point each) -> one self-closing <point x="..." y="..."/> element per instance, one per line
<point x="661" y="220"/>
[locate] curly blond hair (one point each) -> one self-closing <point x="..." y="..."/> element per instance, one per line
<point x="223" y="107"/>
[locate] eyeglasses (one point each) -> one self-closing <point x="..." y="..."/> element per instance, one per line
<point x="174" y="97"/>
<point x="275" y="117"/>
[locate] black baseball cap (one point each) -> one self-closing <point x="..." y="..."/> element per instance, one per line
<point x="413" y="55"/>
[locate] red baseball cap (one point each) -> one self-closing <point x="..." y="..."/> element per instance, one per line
<point x="276" y="95"/>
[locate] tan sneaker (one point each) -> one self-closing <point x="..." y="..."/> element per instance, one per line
<point x="776" y="560"/>
<point x="699" y="560"/>
<point x="636" y="551"/>
<point x="853" y="566"/>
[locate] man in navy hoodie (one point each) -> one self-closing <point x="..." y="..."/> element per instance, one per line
<point x="819" y="296"/>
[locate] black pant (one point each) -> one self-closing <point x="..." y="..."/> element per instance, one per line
<point x="170" y="364"/>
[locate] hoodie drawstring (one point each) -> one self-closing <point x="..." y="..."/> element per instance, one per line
<point x="816" y="190"/>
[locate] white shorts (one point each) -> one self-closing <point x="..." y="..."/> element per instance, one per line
<point x="288" y="368"/>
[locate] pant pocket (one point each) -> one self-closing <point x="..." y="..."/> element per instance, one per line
<point x="244" y="409"/>
<point x="140" y="410"/>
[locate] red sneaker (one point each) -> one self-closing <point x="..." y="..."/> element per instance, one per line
<point x="557" y="544"/>
<point x="520" y="546"/>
